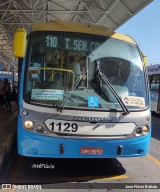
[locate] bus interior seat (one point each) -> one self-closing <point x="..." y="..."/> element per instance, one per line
<point x="121" y="90"/>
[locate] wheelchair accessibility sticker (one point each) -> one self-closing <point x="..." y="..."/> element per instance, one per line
<point x="93" y="101"/>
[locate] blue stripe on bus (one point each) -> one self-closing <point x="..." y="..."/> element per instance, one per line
<point x="36" y="145"/>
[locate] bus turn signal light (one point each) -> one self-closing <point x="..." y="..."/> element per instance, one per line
<point x="145" y="129"/>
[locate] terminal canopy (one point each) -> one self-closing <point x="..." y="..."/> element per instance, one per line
<point x="23" y="13"/>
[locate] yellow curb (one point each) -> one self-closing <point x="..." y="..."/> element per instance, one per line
<point x="115" y="177"/>
<point x="157" y="161"/>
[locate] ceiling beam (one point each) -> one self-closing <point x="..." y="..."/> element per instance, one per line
<point x="29" y="11"/>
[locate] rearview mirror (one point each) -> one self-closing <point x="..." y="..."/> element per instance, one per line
<point x="19" y="43"/>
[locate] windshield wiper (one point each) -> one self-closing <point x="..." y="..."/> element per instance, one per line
<point x="123" y="106"/>
<point x="68" y="95"/>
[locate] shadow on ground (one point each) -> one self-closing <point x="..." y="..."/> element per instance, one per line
<point x="61" y="170"/>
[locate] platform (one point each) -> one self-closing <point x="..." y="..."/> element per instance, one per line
<point x="7" y="133"/>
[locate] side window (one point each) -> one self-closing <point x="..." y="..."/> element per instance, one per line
<point x="154" y="83"/>
<point x="150" y="81"/>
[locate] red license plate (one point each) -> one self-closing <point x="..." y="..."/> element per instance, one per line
<point x="91" y="151"/>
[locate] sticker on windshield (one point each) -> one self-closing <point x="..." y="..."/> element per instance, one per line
<point x="133" y="101"/>
<point x="47" y="94"/>
<point x="33" y="71"/>
<point x="93" y="101"/>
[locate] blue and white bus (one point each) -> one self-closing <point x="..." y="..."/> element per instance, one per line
<point x="83" y="93"/>
<point x="154" y="82"/>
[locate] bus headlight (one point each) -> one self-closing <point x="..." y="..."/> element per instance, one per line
<point x="141" y="130"/>
<point x="28" y="124"/>
<point x="39" y="127"/>
<point x="138" y="130"/>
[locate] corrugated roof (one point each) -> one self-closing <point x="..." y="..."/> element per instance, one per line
<point x="17" y="13"/>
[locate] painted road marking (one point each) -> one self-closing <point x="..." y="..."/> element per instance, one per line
<point x="101" y="178"/>
<point x="157" y="161"/>
<point x="115" y="177"/>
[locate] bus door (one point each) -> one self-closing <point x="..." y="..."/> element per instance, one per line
<point x="155" y="92"/>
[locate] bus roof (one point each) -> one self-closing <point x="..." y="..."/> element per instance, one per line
<point x="57" y="25"/>
<point x="153" y="69"/>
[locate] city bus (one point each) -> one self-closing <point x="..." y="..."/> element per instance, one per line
<point x="83" y="92"/>
<point x="154" y="83"/>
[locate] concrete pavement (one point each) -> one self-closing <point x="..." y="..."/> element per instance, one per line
<point x="7" y="134"/>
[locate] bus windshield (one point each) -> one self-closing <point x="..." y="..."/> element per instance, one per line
<point x="62" y="70"/>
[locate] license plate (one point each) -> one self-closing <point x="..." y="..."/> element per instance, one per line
<point x="91" y="151"/>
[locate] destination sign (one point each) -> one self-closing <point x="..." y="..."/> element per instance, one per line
<point x="69" y="43"/>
